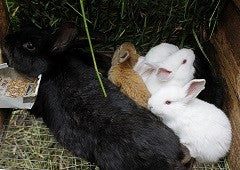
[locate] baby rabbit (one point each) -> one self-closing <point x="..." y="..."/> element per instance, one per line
<point x="176" y="69"/>
<point x="113" y="131"/>
<point x="160" y="52"/>
<point x="155" y="55"/>
<point x="122" y="74"/>
<point x="142" y="68"/>
<point x="202" y="127"/>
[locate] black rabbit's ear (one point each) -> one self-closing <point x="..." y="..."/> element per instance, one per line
<point x="64" y="36"/>
<point x="10" y="37"/>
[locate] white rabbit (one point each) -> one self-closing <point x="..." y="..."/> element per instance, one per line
<point x="160" y="52"/>
<point x="141" y="68"/>
<point x="139" y="63"/>
<point x="176" y="69"/>
<point x="155" y="55"/>
<point x="203" y="128"/>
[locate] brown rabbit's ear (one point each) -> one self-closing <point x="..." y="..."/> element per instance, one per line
<point x="64" y="36"/>
<point x="123" y="56"/>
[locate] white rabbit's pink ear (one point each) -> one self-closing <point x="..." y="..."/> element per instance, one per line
<point x="149" y="69"/>
<point x="193" y="88"/>
<point x="164" y="74"/>
<point x="153" y="66"/>
<point x="123" y="56"/>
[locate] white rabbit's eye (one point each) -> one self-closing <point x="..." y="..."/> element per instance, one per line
<point x="168" y="102"/>
<point x="29" y="46"/>
<point x="184" y="61"/>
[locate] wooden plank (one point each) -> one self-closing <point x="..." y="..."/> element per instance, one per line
<point x="226" y="41"/>
<point x="1" y="58"/>
<point x="237" y="3"/>
<point x="4" y="24"/>
<point x="3" y="20"/>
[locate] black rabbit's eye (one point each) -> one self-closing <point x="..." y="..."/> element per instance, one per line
<point x="29" y="46"/>
<point x="168" y="102"/>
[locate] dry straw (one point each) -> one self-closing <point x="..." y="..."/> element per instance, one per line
<point x="28" y="144"/>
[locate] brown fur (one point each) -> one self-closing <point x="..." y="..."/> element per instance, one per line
<point x="122" y="74"/>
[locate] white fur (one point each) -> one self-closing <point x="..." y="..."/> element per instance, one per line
<point x="181" y="73"/>
<point x="202" y="127"/>
<point x="156" y="54"/>
<point x="160" y="52"/>
<point x="139" y="63"/>
<point x="141" y="68"/>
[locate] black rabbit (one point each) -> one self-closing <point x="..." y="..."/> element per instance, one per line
<point x="113" y="132"/>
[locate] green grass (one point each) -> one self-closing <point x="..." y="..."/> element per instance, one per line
<point x="91" y="48"/>
<point x="142" y="22"/>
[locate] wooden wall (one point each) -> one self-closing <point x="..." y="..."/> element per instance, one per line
<point x="227" y="43"/>
<point x="4" y="25"/>
<point x="3" y="20"/>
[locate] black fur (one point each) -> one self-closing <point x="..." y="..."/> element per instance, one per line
<point x="33" y="63"/>
<point x="112" y="132"/>
<point x="214" y="89"/>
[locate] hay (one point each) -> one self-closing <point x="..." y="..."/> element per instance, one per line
<point x="221" y="165"/>
<point x="29" y="145"/>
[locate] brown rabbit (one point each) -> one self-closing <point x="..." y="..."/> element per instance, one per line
<point x="122" y="74"/>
